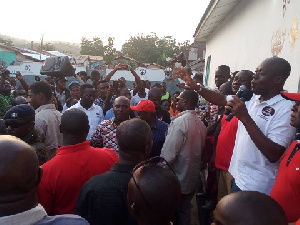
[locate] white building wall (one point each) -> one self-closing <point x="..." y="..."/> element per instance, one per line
<point x="250" y="32"/>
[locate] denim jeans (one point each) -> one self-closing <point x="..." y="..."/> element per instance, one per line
<point x="234" y="187"/>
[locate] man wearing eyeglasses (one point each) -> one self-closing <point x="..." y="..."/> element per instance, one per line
<point x="286" y="188"/>
<point x="19" y="121"/>
<point x="182" y="149"/>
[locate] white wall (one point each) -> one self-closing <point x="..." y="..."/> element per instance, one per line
<point x="244" y="38"/>
<point x="144" y="73"/>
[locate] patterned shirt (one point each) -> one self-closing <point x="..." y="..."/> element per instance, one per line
<point x="105" y="135"/>
<point x="5" y="102"/>
<point x="99" y="101"/>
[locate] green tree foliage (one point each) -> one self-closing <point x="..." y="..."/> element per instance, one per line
<point x="152" y="49"/>
<point x="7" y="42"/>
<point x="110" y="51"/>
<point x="48" y="47"/>
<point x="92" y="47"/>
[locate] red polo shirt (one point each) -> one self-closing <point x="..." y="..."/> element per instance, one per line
<point x="226" y="141"/>
<point x="65" y="174"/>
<point x="286" y="190"/>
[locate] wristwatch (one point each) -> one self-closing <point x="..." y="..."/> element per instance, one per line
<point x="200" y="86"/>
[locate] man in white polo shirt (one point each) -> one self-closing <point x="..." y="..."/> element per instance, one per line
<point x="86" y="104"/>
<point x="264" y="131"/>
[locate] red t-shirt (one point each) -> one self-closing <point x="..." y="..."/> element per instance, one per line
<point x="65" y="174"/>
<point x="286" y="190"/>
<point x="226" y="141"/>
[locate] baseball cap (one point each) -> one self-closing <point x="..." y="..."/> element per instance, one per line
<point x="19" y="112"/>
<point x="73" y="83"/>
<point x="61" y="78"/>
<point x="144" y="106"/>
<point x="291" y="96"/>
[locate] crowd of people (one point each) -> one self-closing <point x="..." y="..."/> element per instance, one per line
<point x="100" y="153"/>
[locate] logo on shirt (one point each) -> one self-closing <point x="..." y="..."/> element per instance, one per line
<point x="268" y="111"/>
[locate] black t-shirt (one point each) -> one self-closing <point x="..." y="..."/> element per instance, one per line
<point x="163" y="115"/>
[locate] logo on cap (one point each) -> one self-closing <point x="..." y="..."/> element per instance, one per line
<point x="14" y="115"/>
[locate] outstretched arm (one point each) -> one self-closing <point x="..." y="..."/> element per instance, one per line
<point x="120" y="66"/>
<point x="210" y="95"/>
<point x="22" y="81"/>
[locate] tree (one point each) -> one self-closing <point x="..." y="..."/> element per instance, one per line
<point x="7" y="42"/>
<point x="152" y="49"/>
<point x="94" y="47"/>
<point x="48" y="47"/>
<point x="109" y="51"/>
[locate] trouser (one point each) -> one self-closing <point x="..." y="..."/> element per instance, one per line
<point x="184" y="211"/>
<point x="234" y="187"/>
<point x="224" y="183"/>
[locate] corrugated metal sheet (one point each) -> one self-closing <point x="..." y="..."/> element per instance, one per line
<point x="215" y="13"/>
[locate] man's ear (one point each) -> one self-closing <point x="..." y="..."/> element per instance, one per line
<point x="148" y="148"/>
<point x="185" y="101"/>
<point x="278" y="79"/>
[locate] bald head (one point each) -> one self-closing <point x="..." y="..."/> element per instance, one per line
<point x="191" y="97"/>
<point x="249" y="208"/>
<point x="75" y="122"/>
<point x="19" y="100"/>
<point x="162" y="192"/>
<point x="154" y="95"/>
<point x="133" y="136"/>
<point x="19" y="175"/>
<point x="278" y="66"/>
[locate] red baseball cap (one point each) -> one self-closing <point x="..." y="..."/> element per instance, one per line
<point x="144" y="106"/>
<point x="291" y="96"/>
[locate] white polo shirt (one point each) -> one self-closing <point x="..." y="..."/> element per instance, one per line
<point x="250" y="168"/>
<point x="95" y="115"/>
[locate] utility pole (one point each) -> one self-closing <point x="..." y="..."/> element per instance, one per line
<point x="42" y="39"/>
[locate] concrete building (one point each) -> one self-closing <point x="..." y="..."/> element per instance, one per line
<point x="242" y="33"/>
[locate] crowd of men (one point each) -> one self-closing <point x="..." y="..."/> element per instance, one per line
<point x="100" y="153"/>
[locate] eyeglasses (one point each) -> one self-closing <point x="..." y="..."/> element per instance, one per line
<point x="14" y="125"/>
<point x="157" y="160"/>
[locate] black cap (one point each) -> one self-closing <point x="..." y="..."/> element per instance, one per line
<point x="18" y="112"/>
<point x="74" y="83"/>
<point x="61" y="78"/>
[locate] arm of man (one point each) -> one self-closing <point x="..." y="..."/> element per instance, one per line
<point x="173" y="143"/>
<point x="138" y="82"/>
<point x="271" y="150"/>
<point x="22" y="81"/>
<point x="111" y="91"/>
<point x="3" y="77"/>
<point x="209" y="95"/>
<point x="117" y="67"/>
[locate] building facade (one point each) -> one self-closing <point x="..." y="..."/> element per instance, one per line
<point x="242" y="33"/>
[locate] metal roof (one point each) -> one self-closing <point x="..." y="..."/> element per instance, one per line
<point x="215" y="13"/>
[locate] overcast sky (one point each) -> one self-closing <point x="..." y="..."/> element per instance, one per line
<point x="65" y="20"/>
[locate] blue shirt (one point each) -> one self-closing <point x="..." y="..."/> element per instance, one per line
<point x="109" y="114"/>
<point x="159" y="132"/>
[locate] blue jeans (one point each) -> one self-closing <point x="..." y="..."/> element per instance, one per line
<point x="234" y="187"/>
